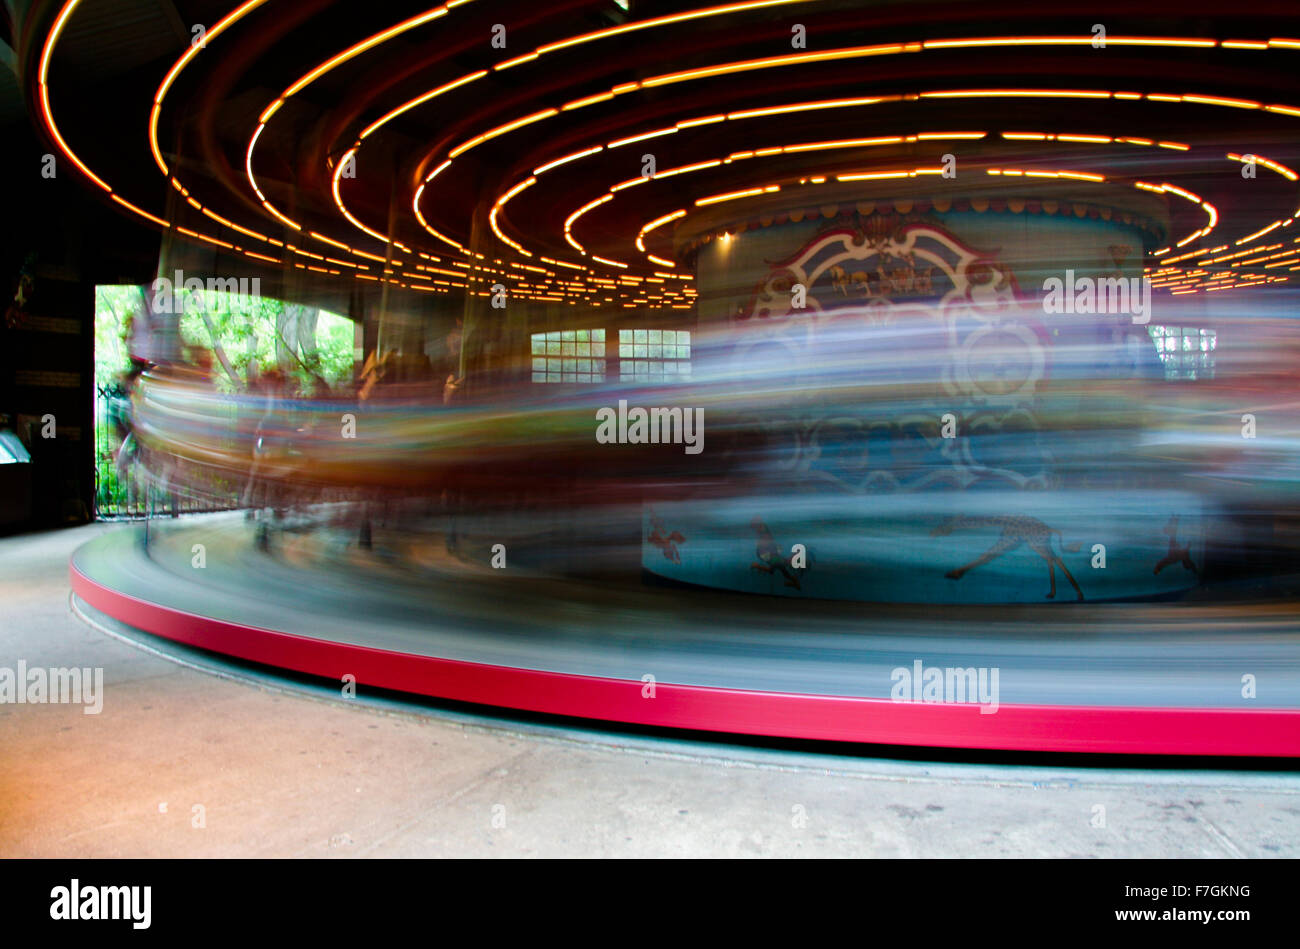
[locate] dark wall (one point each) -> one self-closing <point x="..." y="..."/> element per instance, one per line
<point x="57" y="241"/>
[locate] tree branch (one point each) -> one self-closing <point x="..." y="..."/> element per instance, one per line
<point x="217" y="349"/>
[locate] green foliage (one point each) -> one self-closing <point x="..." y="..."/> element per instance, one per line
<point x="251" y="333"/>
<point x="260" y="332"/>
<point x="116" y="309"/>
<point x="246" y="330"/>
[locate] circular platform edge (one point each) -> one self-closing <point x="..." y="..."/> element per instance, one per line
<point x="1052" y="728"/>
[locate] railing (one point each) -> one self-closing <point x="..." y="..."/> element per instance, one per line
<point x="125" y="485"/>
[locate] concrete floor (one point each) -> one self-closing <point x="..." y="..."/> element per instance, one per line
<point x="270" y="770"/>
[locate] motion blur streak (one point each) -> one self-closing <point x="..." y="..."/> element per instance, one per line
<point x="766" y="346"/>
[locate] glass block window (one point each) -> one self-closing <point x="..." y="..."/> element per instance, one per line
<point x="654" y="355"/>
<point x="569" y="356"/>
<point x="1187" y="352"/>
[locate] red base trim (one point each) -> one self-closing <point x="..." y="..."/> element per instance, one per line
<point x="1100" y="729"/>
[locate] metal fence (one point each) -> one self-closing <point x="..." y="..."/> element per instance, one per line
<point x="128" y="482"/>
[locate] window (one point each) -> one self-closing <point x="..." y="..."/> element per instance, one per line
<point x="1187" y="352"/>
<point x="569" y="356"/>
<point x="654" y="355"/>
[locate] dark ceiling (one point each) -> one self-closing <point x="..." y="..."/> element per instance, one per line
<point x="111" y="56"/>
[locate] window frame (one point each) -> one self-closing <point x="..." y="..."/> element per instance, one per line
<point x="615" y="365"/>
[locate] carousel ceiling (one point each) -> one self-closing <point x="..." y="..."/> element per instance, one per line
<point x="567" y="149"/>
